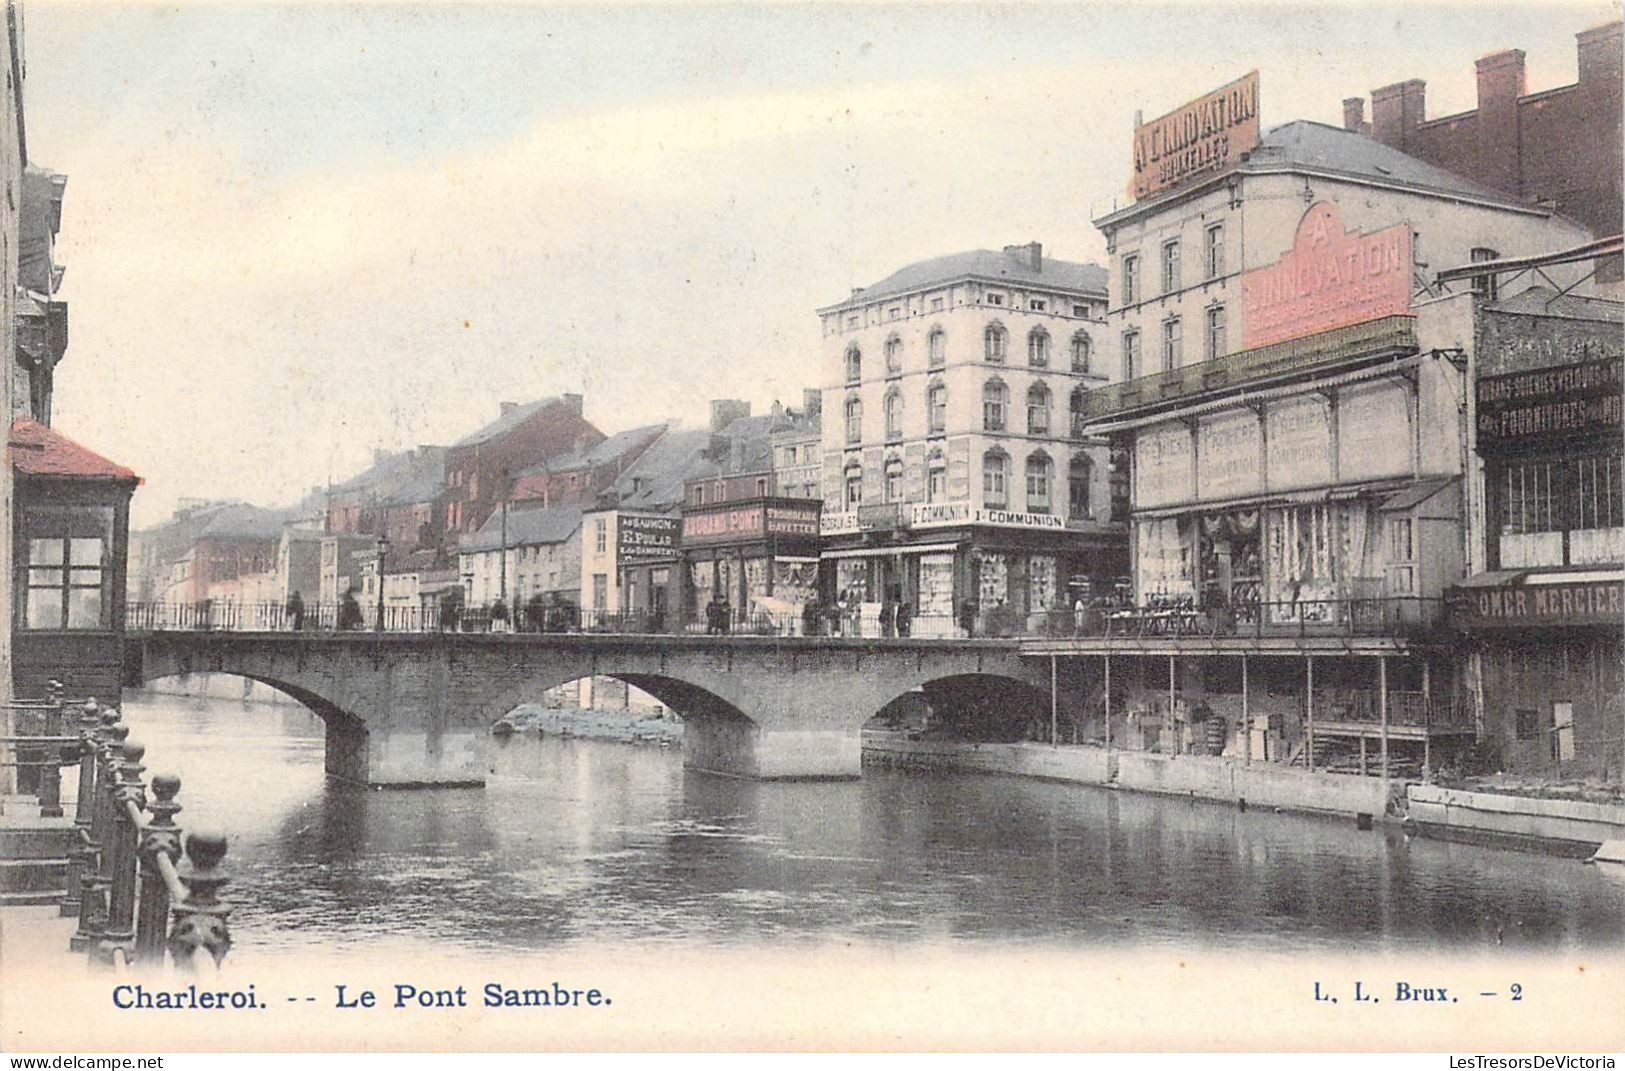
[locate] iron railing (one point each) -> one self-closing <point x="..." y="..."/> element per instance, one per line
<point x="142" y="892"/>
<point x="1160" y="616"/>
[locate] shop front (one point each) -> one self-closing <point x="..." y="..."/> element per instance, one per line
<point x="646" y="549"/>
<point x="1543" y="621"/>
<point x="938" y="570"/>
<point x="750" y="564"/>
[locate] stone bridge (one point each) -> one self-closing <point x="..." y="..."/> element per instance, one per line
<point x="417" y="708"/>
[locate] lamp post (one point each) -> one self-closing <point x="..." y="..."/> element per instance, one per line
<point x="383" y="546"/>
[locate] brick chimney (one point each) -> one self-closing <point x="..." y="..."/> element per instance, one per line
<point x="1396" y="112"/>
<point x="1599" y="57"/>
<point x="507" y="407"/>
<point x="1501" y="81"/>
<point x="1031" y="254"/>
<point x="725" y="411"/>
<point x="812" y="400"/>
<point x="1354" y="116"/>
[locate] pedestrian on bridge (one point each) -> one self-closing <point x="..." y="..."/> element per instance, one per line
<point x="350" y="617"/>
<point x="296" y="612"/>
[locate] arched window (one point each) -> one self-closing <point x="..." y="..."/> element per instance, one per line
<point x="995" y="401"/>
<point x="936" y="347"/>
<point x="936" y="477"/>
<point x="1077" y="409"/>
<point x="894" y="355"/>
<point x="854" y="364"/>
<point x="894" y="414"/>
<point x="995" y="341"/>
<point x="936" y="407"/>
<point x="995" y="479"/>
<point x="1038" y="348"/>
<point x="894" y="479"/>
<point x="1038" y="409"/>
<point x="854" y="485"/>
<point x="854" y="419"/>
<point x="1039" y="472"/>
<point x="1080" y="352"/>
<point x="1077" y="488"/>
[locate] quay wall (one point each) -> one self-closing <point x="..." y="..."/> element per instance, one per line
<point x="1192" y="776"/>
<point x="1516" y="820"/>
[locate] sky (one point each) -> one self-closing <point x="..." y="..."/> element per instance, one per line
<point x="298" y="233"/>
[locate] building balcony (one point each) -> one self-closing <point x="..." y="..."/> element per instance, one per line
<point x="1280" y="361"/>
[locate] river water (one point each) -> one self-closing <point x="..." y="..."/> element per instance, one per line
<point x="576" y="841"/>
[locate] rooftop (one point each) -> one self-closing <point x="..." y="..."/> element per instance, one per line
<point x="610" y="449"/>
<point x="243" y="521"/>
<point x="1545" y="301"/>
<point x="655" y="480"/>
<point x="1305" y="145"/>
<point x="1014" y="266"/>
<point x="36" y="450"/>
<point x="525" y="528"/>
<point x="409" y="476"/>
<point x="508" y="421"/>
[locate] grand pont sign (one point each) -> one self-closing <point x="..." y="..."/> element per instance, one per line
<point x="743" y="524"/>
<point x="1205" y="136"/>
<point x="1329" y="278"/>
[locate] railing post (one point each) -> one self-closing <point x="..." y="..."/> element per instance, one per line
<point x="94" y="885"/>
<point x="200" y="920"/>
<point x="119" y="935"/>
<point x="162" y="837"/>
<point x="50" y="775"/>
<point x="82" y="854"/>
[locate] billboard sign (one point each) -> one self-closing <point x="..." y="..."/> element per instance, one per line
<point x="1329" y="278"/>
<point x="1204" y="137"/>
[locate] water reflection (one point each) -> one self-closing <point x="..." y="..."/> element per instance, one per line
<point x="577" y="840"/>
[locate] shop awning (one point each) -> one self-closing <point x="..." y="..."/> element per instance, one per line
<point x="887" y="552"/>
<point x="795" y="561"/>
<point x="1416" y="494"/>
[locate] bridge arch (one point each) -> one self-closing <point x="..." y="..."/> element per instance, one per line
<point x="415" y="709"/>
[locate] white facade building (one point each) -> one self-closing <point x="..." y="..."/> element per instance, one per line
<point x="955" y="479"/>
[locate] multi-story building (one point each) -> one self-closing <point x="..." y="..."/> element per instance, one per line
<point x="1293" y="411"/>
<point x="12" y="156"/>
<point x="579" y="477"/>
<point x="798" y="450"/>
<point x="480" y="467"/>
<point x="41" y="320"/>
<point x="956" y="477"/>
<point x="396" y="496"/>
<point x="748" y="549"/>
<point x="1541" y="615"/>
<point x="1559" y="146"/>
<point x="527" y="553"/>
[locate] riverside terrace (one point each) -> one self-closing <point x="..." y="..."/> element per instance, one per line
<point x="415" y="707"/>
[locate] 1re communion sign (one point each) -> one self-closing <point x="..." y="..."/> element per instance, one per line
<point x="1329" y="278"/>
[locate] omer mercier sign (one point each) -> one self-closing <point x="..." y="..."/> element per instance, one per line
<point x="1209" y="134"/>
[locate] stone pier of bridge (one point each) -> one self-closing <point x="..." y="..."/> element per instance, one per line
<point x="405" y="709"/>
